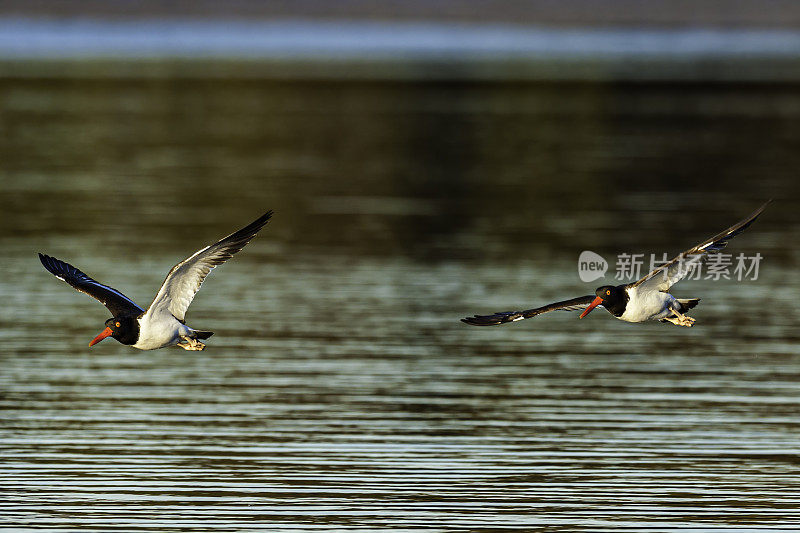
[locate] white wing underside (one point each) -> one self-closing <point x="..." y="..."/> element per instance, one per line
<point x="181" y="285"/>
<point x="667" y="275"/>
<point x="661" y="279"/>
<point x="185" y="279"/>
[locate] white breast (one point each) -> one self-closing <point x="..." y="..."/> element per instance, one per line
<point x="646" y="305"/>
<point x="157" y="332"/>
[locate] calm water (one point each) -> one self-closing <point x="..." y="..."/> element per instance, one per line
<point x="340" y="391"/>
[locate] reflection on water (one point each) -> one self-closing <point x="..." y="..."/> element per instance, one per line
<point x="340" y="390"/>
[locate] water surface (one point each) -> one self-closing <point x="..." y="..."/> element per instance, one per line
<point x="340" y="391"/>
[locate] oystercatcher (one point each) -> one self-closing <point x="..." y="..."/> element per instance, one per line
<point x="645" y="299"/>
<point x="163" y="323"/>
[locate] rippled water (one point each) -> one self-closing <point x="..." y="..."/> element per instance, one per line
<point x="340" y="390"/>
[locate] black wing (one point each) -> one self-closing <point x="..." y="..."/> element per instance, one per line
<point x="665" y="276"/>
<point x="504" y="317"/>
<point x="115" y="301"/>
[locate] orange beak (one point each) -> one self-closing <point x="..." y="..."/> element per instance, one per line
<point x="597" y="301"/>
<point x="106" y="333"/>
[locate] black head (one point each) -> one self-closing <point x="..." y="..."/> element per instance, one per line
<point x="124" y="329"/>
<point x="613" y="298"/>
<point x="609" y="293"/>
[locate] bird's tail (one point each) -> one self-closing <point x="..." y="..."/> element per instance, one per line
<point x="202" y="334"/>
<point x="688" y="303"/>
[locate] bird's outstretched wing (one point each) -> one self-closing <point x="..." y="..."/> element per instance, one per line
<point x="184" y="279"/>
<point x="670" y="273"/>
<point x="115" y="301"/>
<point x="504" y="317"/>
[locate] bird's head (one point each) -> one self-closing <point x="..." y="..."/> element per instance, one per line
<point x="606" y="292"/>
<point x="119" y="328"/>
<point x="606" y="295"/>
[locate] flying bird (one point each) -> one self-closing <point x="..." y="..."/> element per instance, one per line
<point x="162" y="324"/>
<point x="645" y="299"/>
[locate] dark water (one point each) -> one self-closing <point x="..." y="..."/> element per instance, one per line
<point x="340" y="390"/>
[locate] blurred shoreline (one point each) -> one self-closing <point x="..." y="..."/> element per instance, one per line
<point x="308" y="49"/>
<point x="549" y="13"/>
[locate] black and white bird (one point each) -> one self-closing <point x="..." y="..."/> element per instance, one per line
<point x="162" y="324"/>
<point x="645" y="299"/>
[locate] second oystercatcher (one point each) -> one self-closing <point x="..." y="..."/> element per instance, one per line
<point x="162" y="324"/>
<point x="645" y="299"/>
